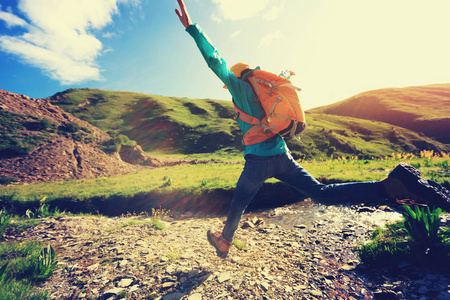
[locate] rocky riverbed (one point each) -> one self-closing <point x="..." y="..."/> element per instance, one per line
<point x="302" y="251"/>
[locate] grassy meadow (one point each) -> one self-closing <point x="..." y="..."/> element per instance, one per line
<point x="180" y="186"/>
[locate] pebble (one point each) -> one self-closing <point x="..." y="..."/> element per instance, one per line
<point x="223" y="277"/>
<point x="265" y="286"/>
<point x="125" y="282"/>
<point x="114" y="291"/>
<point x="196" y="296"/>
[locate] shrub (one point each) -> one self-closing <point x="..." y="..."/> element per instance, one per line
<point x="4" y="220"/>
<point x="12" y="147"/>
<point x="168" y="182"/>
<point x="39" y="125"/>
<point x="45" y="123"/>
<point x="124" y="140"/>
<point x="70" y="127"/>
<point x="110" y="147"/>
<point x="85" y="129"/>
<point x="5" y="180"/>
<point x="114" y="145"/>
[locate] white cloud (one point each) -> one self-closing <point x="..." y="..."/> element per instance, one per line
<point x="273" y="13"/>
<point x="59" y="38"/>
<point x="215" y="18"/>
<point x="11" y="20"/>
<point x="236" y="33"/>
<point x="108" y="35"/>
<point x="239" y="9"/>
<point x="270" y="38"/>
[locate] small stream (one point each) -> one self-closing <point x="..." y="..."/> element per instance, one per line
<point x="308" y="214"/>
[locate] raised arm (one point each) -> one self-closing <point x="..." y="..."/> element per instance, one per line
<point x="183" y="15"/>
<point x="209" y="52"/>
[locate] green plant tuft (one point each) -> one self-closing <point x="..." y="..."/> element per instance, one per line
<point x="44" y="264"/>
<point x="157" y="224"/>
<point x="23" y="265"/>
<point x="238" y="244"/>
<point x="423" y="225"/>
<point x="418" y="240"/>
<point x="4" y="220"/>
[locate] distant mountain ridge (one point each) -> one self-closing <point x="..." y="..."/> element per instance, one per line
<point x="186" y="126"/>
<point x="423" y="109"/>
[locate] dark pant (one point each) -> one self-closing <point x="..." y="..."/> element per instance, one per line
<point x="283" y="167"/>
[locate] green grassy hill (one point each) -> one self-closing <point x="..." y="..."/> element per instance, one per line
<point x="347" y="136"/>
<point x="419" y="108"/>
<point x="184" y="126"/>
<point x="159" y="124"/>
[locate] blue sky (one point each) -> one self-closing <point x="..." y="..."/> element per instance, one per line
<point x="337" y="48"/>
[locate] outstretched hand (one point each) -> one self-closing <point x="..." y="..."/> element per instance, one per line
<point x="183" y="15"/>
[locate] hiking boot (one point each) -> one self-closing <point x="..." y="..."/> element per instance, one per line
<point x="396" y="191"/>
<point x="217" y="241"/>
<point x="405" y="183"/>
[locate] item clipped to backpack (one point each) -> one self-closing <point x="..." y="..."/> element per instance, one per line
<point x="279" y="99"/>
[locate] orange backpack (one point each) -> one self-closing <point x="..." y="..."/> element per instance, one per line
<point x="284" y="113"/>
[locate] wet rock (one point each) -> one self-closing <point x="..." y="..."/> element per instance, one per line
<point x="423" y="290"/>
<point x="366" y="209"/>
<point x="385" y="295"/>
<point x="173" y="296"/>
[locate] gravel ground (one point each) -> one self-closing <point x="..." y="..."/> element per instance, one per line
<point x="293" y="252"/>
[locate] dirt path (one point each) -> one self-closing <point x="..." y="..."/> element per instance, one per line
<point x="115" y="258"/>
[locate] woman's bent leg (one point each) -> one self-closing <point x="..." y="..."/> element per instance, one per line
<point x="295" y="175"/>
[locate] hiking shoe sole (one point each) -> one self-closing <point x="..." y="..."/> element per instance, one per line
<point x="433" y="193"/>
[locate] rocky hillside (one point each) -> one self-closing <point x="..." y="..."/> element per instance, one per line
<point x="40" y="142"/>
<point x="423" y="109"/>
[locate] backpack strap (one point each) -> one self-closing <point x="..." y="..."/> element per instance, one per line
<point x="240" y="114"/>
<point x="290" y="85"/>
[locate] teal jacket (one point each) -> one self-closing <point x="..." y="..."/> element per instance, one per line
<point x="241" y="91"/>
